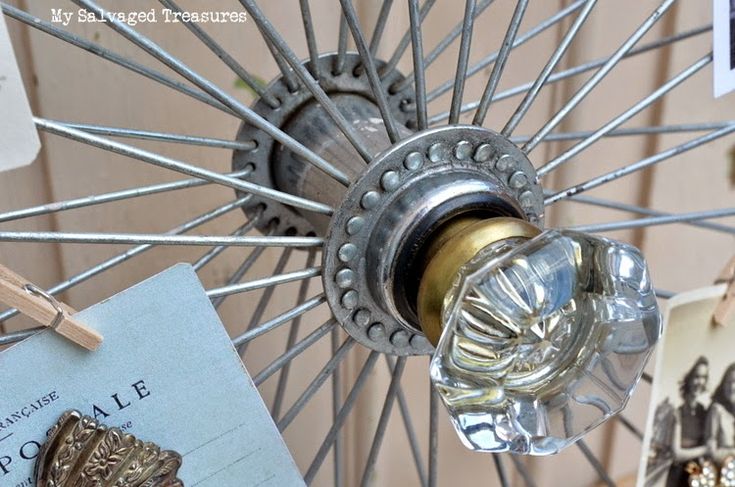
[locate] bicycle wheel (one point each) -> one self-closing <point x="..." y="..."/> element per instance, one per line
<point x="607" y="95"/>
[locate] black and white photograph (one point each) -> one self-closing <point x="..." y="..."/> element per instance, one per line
<point x="691" y="430"/>
<point x="723" y="43"/>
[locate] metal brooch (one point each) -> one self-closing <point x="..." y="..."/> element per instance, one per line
<point x="81" y="452"/>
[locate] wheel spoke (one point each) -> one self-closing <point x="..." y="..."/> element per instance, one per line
<point x="341" y="417"/>
<point x="279" y="320"/>
<point x="240" y="272"/>
<point x="408" y="424"/>
<point x="310" y="37"/>
<point x="379" y="91"/>
<point x="99" y="199"/>
<point x="655" y="220"/>
<point x="523" y="471"/>
<point x="270" y="33"/>
<point x="212" y="253"/>
<point x="646" y="211"/>
<point x="595" y="463"/>
<point x="380" y="26"/>
<point x="533" y="92"/>
<point x="499" y="65"/>
<point x="129" y="254"/>
<point x="433" y="436"/>
<point x="284" y="361"/>
<point x="318" y="381"/>
<point x="293" y="334"/>
<point x="630" y="427"/>
<point x="229" y="101"/>
<point x="179" y="166"/>
<point x="226" y="58"/>
<point x="273" y="280"/>
<point x="265" y="300"/>
<point x="339" y="62"/>
<point x="642" y="164"/>
<point x="442" y="46"/>
<point x="108" y="55"/>
<point x="626" y="115"/>
<point x="403" y="43"/>
<point x="501" y="470"/>
<point x="462" y="60"/>
<point x="490" y="58"/>
<point x="336" y="404"/>
<point x="598" y="76"/>
<point x="419" y="70"/>
<point x="390" y="398"/>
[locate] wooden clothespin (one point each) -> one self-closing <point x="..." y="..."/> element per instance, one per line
<point x="37" y="304"/>
<point x="725" y="310"/>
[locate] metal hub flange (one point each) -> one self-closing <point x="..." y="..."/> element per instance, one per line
<point x="390" y="213"/>
<point x="265" y="159"/>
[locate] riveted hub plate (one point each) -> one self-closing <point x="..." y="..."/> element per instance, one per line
<point x="351" y="80"/>
<point x="403" y="185"/>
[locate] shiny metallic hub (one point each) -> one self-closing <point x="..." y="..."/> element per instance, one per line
<point x="373" y="254"/>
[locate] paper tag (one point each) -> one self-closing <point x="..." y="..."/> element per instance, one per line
<point x="19" y="142"/>
<point x="687" y="418"/>
<point x="723" y="15"/>
<point x="167" y="372"/>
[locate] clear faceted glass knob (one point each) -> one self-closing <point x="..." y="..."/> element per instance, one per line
<point x="542" y="338"/>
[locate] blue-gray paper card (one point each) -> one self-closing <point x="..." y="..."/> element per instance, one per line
<point x="166" y="372"/>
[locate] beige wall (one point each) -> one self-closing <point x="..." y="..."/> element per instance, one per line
<point x="66" y="83"/>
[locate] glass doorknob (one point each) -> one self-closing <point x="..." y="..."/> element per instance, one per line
<point x="540" y="337"/>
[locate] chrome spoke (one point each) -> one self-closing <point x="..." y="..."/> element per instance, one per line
<point x="108" y="55"/>
<point x="499" y="65"/>
<point x="419" y="70"/>
<point x="568" y="73"/>
<point x="433" y="436"/>
<point x="229" y="101"/>
<point x="390" y="398"/>
<point x="403" y="43"/>
<point x="273" y="280"/>
<point x="341" y="417"/>
<point x="380" y="26"/>
<point x="270" y="33"/>
<point x="279" y="320"/>
<point x="99" y="199"/>
<point x="284" y="361"/>
<point x="490" y="58"/>
<point x="533" y="92"/>
<point x="212" y="253"/>
<point x="161" y="136"/>
<point x="226" y="58"/>
<point x="379" y="91"/>
<point x="523" y="471"/>
<point x="339" y="62"/>
<point x="314" y="386"/>
<point x="592" y="459"/>
<point x="595" y="79"/>
<point x="630" y="427"/>
<point x="626" y="115"/>
<point x="462" y="60"/>
<point x="310" y="37"/>
<point x="408" y="425"/>
<point x="240" y="272"/>
<point x="179" y="166"/>
<point x="293" y="334"/>
<point x="589" y="200"/>
<point x="501" y="470"/>
<point x="642" y="164"/>
<point x="336" y="404"/>
<point x="655" y="220"/>
<point x="129" y="254"/>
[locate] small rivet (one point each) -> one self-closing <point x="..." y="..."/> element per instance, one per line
<point x="463" y="150"/>
<point x="355" y="224"/>
<point x="370" y="200"/>
<point x="390" y="180"/>
<point x="376" y="331"/>
<point x="345" y="278"/>
<point x="438" y="152"/>
<point x="399" y="338"/>
<point x="347" y="252"/>
<point x="418" y="341"/>
<point x="349" y="299"/>
<point x="527" y="199"/>
<point x="518" y="180"/>
<point x="362" y="317"/>
<point x="504" y="163"/>
<point x="483" y="153"/>
<point x="413" y="161"/>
